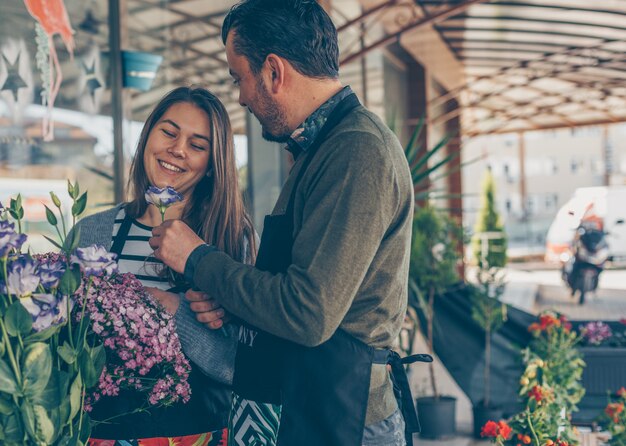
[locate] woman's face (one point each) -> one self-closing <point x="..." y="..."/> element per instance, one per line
<point x="178" y="148"/>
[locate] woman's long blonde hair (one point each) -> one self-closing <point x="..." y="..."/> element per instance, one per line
<point x="215" y="211"/>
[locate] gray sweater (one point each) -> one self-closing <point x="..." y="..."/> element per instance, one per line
<point x="210" y="350"/>
<point x="353" y="212"/>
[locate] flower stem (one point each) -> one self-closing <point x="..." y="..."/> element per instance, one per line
<point x="16" y="369"/>
<point x="82" y="412"/>
<point x="532" y="429"/>
<point x="6" y="279"/>
<point x="82" y="311"/>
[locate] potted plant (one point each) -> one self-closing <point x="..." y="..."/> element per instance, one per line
<point x="615" y="419"/>
<point x="433" y="271"/>
<point x="550" y="388"/>
<point x="490" y="314"/>
<point x="603" y="346"/>
<point x="489" y="246"/>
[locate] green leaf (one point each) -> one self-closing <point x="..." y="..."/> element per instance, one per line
<point x="72" y="240"/>
<point x="8" y="384"/>
<point x="54" y="242"/>
<point x="64" y="410"/>
<point x="56" y="390"/>
<point x="28" y="418"/>
<point x="87" y="369"/>
<point x="45" y="428"/>
<point x="52" y="219"/>
<point x="16" y="209"/>
<point x="70" y="189"/>
<point x="6" y="408"/>
<point x="42" y="335"/>
<point x="36" y="368"/>
<point x="99" y="358"/>
<point x="70" y="281"/>
<point x="13" y="431"/>
<point x="67" y="353"/>
<point x="85" y="430"/>
<point x="55" y="199"/>
<point x="18" y="321"/>
<point x="2" y="346"/>
<point x="79" y="206"/>
<point x="76" y="239"/>
<point x="75" y="393"/>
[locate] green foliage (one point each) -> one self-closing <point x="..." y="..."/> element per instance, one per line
<point x="614" y="419"/>
<point x="489" y="222"/>
<point x="433" y="254"/>
<point x="37" y="404"/>
<point x="550" y="386"/>
<point x="433" y="264"/>
<point x="489" y="313"/>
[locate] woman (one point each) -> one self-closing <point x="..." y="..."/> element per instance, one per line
<point x="186" y="143"/>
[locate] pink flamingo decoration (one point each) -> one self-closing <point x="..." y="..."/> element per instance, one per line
<point x="53" y="18"/>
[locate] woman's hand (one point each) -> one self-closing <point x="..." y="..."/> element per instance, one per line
<point x="208" y="311"/>
<point x="170" y="301"/>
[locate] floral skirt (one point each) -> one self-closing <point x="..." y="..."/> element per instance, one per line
<point x="215" y="438"/>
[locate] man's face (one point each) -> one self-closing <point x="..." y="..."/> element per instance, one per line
<point x="255" y="95"/>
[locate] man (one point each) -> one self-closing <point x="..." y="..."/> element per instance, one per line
<point x="329" y="289"/>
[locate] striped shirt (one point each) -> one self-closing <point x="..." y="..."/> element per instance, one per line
<point x="137" y="256"/>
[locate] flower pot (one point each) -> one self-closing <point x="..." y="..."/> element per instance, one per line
<point x="140" y="69"/>
<point x="483" y="414"/>
<point x="437" y="416"/>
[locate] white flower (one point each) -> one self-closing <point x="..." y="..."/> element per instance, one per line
<point x="95" y="260"/>
<point x="46" y="310"/>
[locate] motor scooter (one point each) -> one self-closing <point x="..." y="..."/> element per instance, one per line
<point x="590" y="251"/>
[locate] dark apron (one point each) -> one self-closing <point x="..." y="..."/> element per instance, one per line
<point x="206" y="411"/>
<point x="324" y="390"/>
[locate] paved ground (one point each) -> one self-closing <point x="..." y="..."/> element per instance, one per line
<point x="532" y="287"/>
<point x="608" y="303"/>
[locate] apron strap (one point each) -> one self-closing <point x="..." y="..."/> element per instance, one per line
<point x="401" y="387"/>
<point x="120" y="237"/>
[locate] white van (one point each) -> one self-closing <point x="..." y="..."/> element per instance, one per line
<point x="606" y="202"/>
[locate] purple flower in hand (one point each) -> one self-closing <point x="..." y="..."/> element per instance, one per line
<point x="46" y="310"/>
<point x="22" y="277"/>
<point x="95" y="260"/>
<point x="162" y="198"/>
<point x="9" y="239"/>
<point x="50" y="273"/>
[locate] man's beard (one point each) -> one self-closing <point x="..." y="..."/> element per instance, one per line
<point x="272" y="115"/>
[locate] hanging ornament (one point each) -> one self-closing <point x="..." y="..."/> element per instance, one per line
<point x="91" y="81"/>
<point x="52" y="19"/>
<point x="14" y="81"/>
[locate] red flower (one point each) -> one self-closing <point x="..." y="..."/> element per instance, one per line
<point x="504" y="429"/>
<point x="536" y="392"/>
<point x="534" y="327"/>
<point x="490" y="429"/>
<point x="547" y="320"/>
<point x="613" y="410"/>
<point x="622" y="321"/>
<point x="622" y="392"/>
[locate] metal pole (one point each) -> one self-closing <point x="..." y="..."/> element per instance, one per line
<point x="117" y="110"/>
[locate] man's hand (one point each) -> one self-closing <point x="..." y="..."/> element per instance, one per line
<point x="170" y="301"/>
<point x="172" y="243"/>
<point x="208" y="311"/>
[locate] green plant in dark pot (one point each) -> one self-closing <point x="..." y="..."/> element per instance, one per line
<point x="433" y="270"/>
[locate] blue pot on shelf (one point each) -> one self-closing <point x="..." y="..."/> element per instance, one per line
<point x="140" y="69"/>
